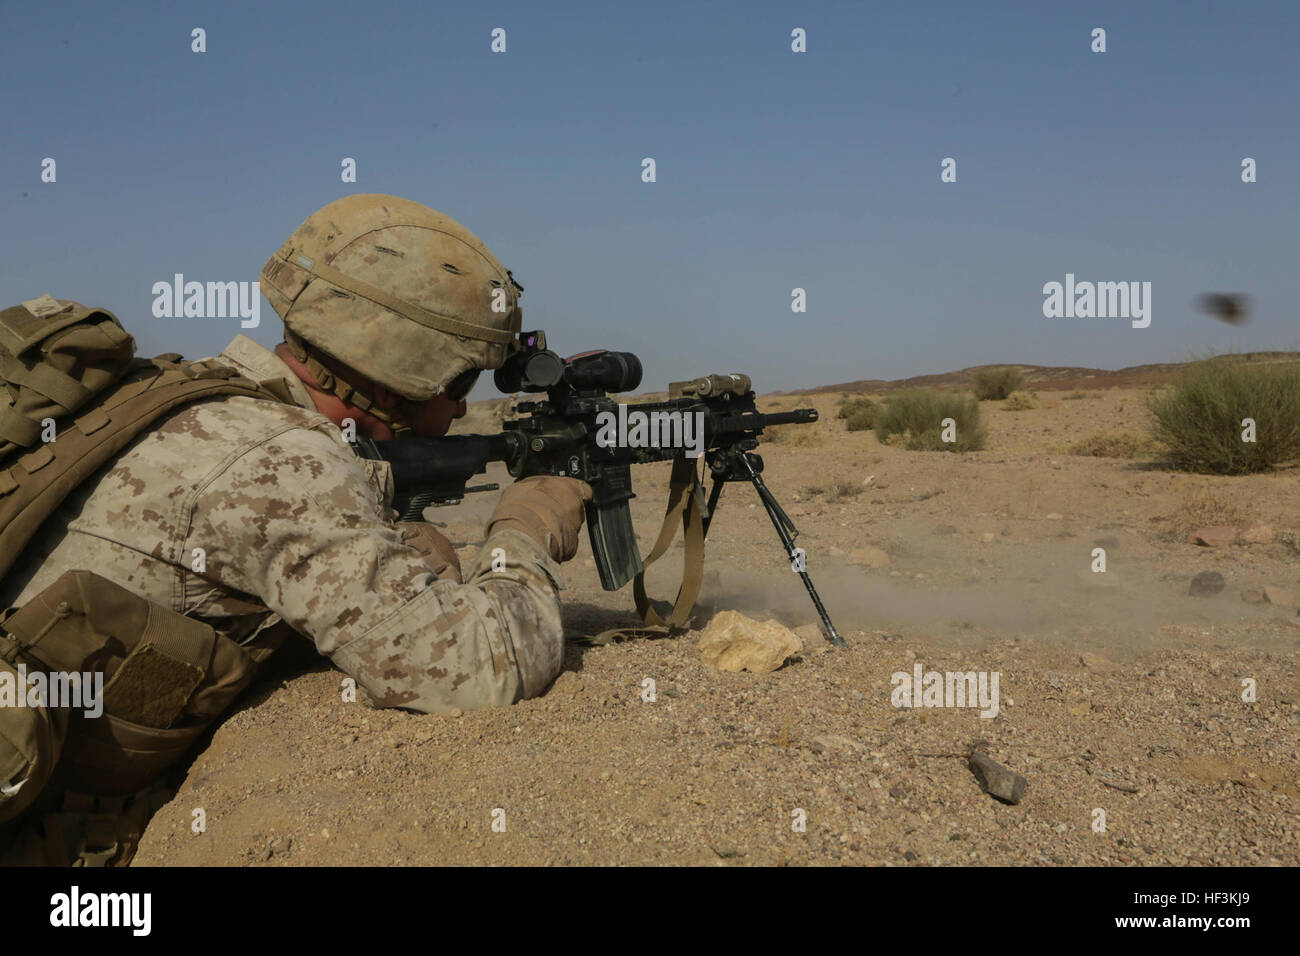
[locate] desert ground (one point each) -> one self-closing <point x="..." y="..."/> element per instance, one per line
<point x="1121" y="693"/>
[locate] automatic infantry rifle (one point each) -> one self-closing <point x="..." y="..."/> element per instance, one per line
<point x="568" y="433"/>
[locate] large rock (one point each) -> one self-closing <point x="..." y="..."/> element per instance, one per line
<point x="1279" y="596"/>
<point x="1257" y="533"/>
<point x="733" y="642"/>
<point x="1219" y="536"/>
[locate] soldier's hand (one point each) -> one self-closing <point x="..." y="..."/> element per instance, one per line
<point x="547" y="509"/>
<point x="438" y="552"/>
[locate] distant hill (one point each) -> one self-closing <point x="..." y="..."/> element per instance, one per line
<point x="1045" y="376"/>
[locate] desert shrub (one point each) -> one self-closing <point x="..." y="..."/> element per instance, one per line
<point x="997" y="383"/>
<point x="1200" y="416"/>
<point x="1205" y="509"/>
<point x="797" y="436"/>
<point x="844" y="489"/>
<point x="1019" y="402"/>
<point x="851" y="405"/>
<point x="862" y="420"/>
<point x="917" y="415"/>
<point x="1075" y="395"/>
<point x="1110" y="443"/>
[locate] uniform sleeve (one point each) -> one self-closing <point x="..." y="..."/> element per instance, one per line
<point x="295" y="522"/>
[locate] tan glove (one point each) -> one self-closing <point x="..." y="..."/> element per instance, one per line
<point x="438" y="552"/>
<point x="547" y="509"/>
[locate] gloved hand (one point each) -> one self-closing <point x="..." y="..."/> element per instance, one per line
<point x="438" y="552"/>
<point x="547" y="509"/>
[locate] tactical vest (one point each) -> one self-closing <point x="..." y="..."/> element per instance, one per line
<point x="73" y="788"/>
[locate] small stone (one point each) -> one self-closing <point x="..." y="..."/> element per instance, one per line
<point x="830" y="743"/>
<point x="988" y="537"/>
<point x="945" y="529"/>
<point x="1253" y="596"/>
<point x="1055" y="516"/>
<point x="1280" y="597"/>
<point x="456" y="712"/>
<point x="997" y="780"/>
<point x="1206" y="583"/>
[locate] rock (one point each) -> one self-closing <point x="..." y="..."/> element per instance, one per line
<point x="1257" y="533"/>
<point x="945" y="529"/>
<point x="997" y="780"/>
<point x="733" y="642"/>
<point x="1206" y="583"/>
<point x="1219" y="536"/>
<point x="988" y="537"/>
<point x="824" y="743"/>
<point x="871" y="557"/>
<point x="1279" y="596"/>
<point x="1055" y="516"/>
<point x="1253" y="596"/>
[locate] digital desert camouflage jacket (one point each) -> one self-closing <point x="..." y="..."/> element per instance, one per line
<point x="293" y="525"/>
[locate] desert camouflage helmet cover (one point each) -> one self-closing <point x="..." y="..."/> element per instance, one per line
<point x="405" y="295"/>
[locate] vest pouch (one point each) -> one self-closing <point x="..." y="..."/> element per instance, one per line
<point x="108" y="755"/>
<point x="31" y="740"/>
<point x="164" y="678"/>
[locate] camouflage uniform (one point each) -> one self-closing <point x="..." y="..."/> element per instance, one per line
<point x="294" y="526"/>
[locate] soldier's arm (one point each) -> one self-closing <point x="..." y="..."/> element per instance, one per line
<point x="295" y="521"/>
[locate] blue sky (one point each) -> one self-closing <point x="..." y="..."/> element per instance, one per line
<point x="775" y="170"/>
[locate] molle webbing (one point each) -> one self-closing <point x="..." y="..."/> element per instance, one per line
<point x="34" y="483"/>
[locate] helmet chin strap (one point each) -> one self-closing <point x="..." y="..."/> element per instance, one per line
<point x="333" y="383"/>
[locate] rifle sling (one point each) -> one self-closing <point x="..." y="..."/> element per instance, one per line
<point x="685" y="499"/>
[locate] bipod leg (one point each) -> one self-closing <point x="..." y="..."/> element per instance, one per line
<point x="784" y="527"/>
<point x="714" y="494"/>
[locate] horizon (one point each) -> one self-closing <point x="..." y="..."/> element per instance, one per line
<point x="776" y="170"/>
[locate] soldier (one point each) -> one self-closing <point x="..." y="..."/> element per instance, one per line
<point x="390" y="312"/>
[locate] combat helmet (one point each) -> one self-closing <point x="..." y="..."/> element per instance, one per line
<point x="404" y="295"/>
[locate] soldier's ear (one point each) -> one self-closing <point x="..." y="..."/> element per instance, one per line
<point x="386" y="399"/>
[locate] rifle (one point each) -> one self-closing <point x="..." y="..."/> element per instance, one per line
<point x="580" y="431"/>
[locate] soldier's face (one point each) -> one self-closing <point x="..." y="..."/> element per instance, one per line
<point x="436" y="415"/>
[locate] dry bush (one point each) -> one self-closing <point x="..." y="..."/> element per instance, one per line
<point x="918" y="414"/>
<point x="796" y="436"/>
<point x="844" y="489"/>
<point x="1019" y="402"/>
<point x="1205" y="509"/>
<point x="1112" y="443"/>
<point x="1200" y="416"/>
<point x="997" y="383"/>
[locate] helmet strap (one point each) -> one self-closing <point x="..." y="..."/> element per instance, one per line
<point x="335" y="384"/>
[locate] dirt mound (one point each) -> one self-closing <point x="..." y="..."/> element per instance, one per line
<point x="1119" y="691"/>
